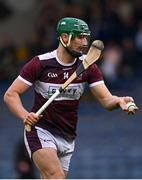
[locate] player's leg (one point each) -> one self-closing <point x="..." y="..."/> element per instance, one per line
<point x="66" y="173"/>
<point x="48" y="163"/>
<point x="41" y="146"/>
<point x="66" y="150"/>
<point x="40" y="143"/>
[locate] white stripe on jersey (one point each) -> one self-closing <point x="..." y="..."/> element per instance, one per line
<point x="53" y="54"/>
<point x="48" y="55"/>
<point x="82" y="57"/>
<point x="25" y="81"/>
<point x="72" y="92"/>
<point x="96" y="83"/>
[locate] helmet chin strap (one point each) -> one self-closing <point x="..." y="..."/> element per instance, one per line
<point x="73" y="53"/>
<point x="68" y="43"/>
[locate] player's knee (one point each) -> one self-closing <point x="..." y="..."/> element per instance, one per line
<point x="53" y="175"/>
<point x="58" y="175"/>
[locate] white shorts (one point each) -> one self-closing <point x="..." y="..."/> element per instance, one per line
<point x="63" y="147"/>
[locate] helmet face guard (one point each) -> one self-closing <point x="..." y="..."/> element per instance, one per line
<point x="73" y="27"/>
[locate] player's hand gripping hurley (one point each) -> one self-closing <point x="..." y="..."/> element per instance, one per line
<point x="92" y="56"/>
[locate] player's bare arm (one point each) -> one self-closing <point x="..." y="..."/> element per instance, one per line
<point x="12" y="99"/>
<point x="109" y="101"/>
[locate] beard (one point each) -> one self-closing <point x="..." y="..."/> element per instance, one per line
<point x="76" y="54"/>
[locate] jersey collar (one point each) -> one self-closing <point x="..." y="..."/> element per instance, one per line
<point x="61" y="62"/>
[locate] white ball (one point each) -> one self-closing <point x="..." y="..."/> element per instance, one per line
<point x="131" y="106"/>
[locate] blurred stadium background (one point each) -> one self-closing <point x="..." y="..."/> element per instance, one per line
<point x="109" y="143"/>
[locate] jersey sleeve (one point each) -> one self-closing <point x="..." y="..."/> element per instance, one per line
<point x="31" y="71"/>
<point x="95" y="76"/>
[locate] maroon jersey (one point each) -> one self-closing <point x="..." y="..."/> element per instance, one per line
<point x="48" y="73"/>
